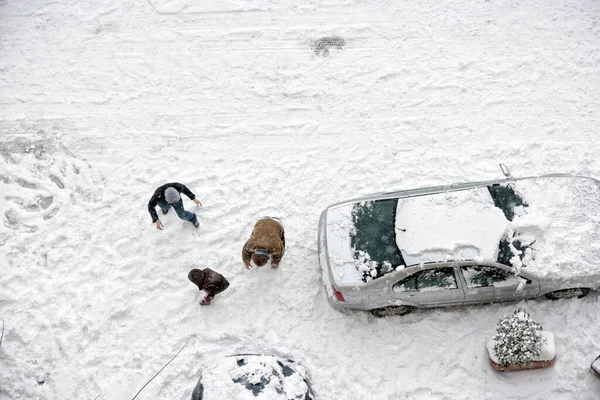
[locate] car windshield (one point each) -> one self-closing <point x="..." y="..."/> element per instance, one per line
<point x="512" y="248"/>
<point x="373" y="239"/>
<point x="506" y="199"/>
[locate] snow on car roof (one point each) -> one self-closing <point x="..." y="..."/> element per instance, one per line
<point x="454" y="225"/>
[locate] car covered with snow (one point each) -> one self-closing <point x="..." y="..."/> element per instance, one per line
<point x="465" y="243"/>
<point x="252" y="376"/>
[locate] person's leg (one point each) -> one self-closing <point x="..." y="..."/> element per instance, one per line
<point x="206" y="301"/>
<point x="210" y="295"/>
<point x="185" y="215"/>
<point x="164" y="207"/>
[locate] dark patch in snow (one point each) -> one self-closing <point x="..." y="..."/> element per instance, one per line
<point x="45" y="202"/>
<point x="25" y="184"/>
<point x="51" y="214"/>
<point x="321" y="46"/>
<point x="57" y="181"/>
<point x="31" y="207"/>
<point x="11" y="220"/>
<point x="20" y="145"/>
<point x="3" y="239"/>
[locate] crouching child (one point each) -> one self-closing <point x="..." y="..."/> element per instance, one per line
<point x="210" y="281"/>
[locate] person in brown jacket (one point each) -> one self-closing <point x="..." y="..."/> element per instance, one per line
<point x="210" y="281"/>
<point x="267" y="242"/>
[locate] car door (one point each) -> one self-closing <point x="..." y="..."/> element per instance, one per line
<point x="430" y="287"/>
<point x="485" y="284"/>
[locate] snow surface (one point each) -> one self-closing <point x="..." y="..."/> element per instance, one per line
<point x="118" y="96"/>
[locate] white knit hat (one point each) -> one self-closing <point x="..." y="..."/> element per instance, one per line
<point x="172" y="195"/>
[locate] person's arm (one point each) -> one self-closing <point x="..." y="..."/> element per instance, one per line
<point x="152" y="207"/>
<point x="278" y="254"/>
<point x="211" y="290"/>
<point x="277" y="258"/>
<point x="215" y="283"/>
<point x="184" y="189"/>
<point x="224" y="284"/>
<point x="246" y="254"/>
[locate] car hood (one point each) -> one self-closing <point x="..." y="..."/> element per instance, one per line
<point x="563" y="216"/>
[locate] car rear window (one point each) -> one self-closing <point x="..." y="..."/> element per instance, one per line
<point x="373" y="239"/>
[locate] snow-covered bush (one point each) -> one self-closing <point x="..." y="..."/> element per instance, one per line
<point x="519" y="338"/>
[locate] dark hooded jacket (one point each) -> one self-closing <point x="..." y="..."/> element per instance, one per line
<point x="267" y="236"/>
<point x="159" y="197"/>
<point x="208" y="280"/>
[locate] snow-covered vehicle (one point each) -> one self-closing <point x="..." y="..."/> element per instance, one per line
<point x="252" y="376"/>
<point x="479" y="242"/>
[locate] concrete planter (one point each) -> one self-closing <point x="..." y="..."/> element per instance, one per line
<point x="546" y="359"/>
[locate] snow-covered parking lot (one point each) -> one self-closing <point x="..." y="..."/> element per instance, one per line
<point x="269" y="108"/>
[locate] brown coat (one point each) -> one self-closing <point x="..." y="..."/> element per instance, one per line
<point x="208" y="280"/>
<point x="268" y="236"/>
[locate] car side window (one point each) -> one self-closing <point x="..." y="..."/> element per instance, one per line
<point x="428" y="280"/>
<point x="484" y="276"/>
<point x="436" y="279"/>
<point x="407" y="284"/>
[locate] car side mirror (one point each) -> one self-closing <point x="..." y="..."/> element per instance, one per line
<point x="521" y="285"/>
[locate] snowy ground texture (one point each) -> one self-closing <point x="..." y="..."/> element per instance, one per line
<point x="103" y="101"/>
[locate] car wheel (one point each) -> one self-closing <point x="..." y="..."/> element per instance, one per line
<point x="391" y="310"/>
<point x="568" y="293"/>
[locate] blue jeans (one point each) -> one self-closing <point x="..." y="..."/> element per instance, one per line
<point x="181" y="213"/>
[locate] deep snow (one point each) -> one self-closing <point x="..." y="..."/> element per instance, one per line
<point x="103" y="101"/>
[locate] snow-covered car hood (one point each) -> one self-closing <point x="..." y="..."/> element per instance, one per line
<point x="564" y="218"/>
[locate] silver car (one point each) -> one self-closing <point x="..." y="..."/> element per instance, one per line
<point x="466" y="243"/>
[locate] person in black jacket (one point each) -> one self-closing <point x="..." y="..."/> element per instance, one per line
<point x="169" y="195"/>
<point x="210" y="281"/>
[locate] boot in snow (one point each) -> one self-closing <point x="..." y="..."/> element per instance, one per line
<point x="205" y="302"/>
